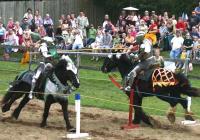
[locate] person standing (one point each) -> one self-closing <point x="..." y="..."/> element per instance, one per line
<point x="83" y="23"/>
<point x="176" y="43"/>
<point x="197" y="10"/>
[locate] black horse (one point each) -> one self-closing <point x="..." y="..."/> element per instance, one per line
<point x="62" y="72"/>
<point x="142" y="87"/>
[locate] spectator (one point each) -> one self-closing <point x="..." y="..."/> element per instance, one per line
<point x="19" y="32"/>
<point x="132" y="31"/>
<point x="62" y="18"/>
<point x="24" y="24"/>
<point x="110" y="27"/>
<point x="163" y="30"/>
<point x="159" y="60"/>
<point x="194" y="32"/>
<point x="120" y="21"/>
<point x="91" y="35"/>
<point x="83" y="23"/>
<point x="48" y="22"/>
<point x="69" y="39"/>
<point x="106" y="40"/>
<point x="42" y="31"/>
<point x="146" y="18"/>
<point x="154" y="17"/>
<point x="188" y="45"/>
<point x="64" y="27"/>
<point x="10" y="24"/>
<point x="181" y="24"/>
<point x="143" y="29"/>
<point x="27" y="40"/>
<point x="165" y="16"/>
<point x="59" y="28"/>
<point x="78" y="41"/>
<point x="196" y="48"/>
<point x="2" y="33"/>
<point x="153" y="27"/>
<point x="73" y="21"/>
<point x="96" y="45"/>
<point x="11" y="40"/>
<point x="50" y="31"/>
<point x="116" y="41"/>
<point x="177" y="43"/>
<point x="38" y="19"/>
<point x="68" y="19"/>
<point x="106" y="18"/>
<point x="193" y="20"/>
<point x="129" y="40"/>
<point x="29" y="16"/>
<point x="174" y="21"/>
<point x="197" y="10"/>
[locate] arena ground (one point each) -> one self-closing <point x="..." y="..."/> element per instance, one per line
<point x="99" y="123"/>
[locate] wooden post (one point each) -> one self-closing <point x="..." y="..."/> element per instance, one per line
<point x="78" y="61"/>
<point x="130" y="125"/>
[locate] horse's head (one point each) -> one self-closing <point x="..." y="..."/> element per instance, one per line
<point x="68" y="71"/>
<point x="120" y="61"/>
<point x="109" y="64"/>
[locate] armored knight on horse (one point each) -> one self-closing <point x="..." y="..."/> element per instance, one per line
<point x="49" y="54"/>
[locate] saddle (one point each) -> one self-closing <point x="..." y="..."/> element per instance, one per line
<point x="26" y="76"/>
<point x="163" y="78"/>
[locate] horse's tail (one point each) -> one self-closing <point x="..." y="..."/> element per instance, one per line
<point x="193" y="92"/>
<point x="9" y="93"/>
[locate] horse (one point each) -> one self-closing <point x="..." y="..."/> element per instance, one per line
<point x="170" y="93"/>
<point x="53" y="84"/>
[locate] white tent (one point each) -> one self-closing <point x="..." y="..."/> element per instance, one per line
<point x="130" y="9"/>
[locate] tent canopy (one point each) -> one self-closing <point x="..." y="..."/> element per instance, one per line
<point x="131" y="9"/>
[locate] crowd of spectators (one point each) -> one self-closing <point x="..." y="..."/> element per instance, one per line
<point x="180" y="36"/>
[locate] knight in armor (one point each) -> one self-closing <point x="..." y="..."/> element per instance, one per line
<point x="146" y="59"/>
<point x="49" y="54"/>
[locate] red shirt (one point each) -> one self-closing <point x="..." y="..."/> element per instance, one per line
<point x="153" y="27"/>
<point x="181" y="25"/>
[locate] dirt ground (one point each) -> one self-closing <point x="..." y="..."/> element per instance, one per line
<point x="99" y="123"/>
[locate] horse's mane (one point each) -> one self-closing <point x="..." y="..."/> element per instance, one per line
<point x="125" y="65"/>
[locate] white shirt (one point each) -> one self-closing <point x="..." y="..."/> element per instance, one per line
<point x="78" y="40"/>
<point x="177" y="42"/>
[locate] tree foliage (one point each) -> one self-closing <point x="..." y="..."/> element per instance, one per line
<point x="177" y="7"/>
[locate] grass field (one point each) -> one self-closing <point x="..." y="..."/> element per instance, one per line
<point x="96" y="89"/>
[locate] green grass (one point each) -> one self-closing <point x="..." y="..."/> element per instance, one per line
<point x="96" y="85"/>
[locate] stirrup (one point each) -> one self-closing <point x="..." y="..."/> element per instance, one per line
<point x="128" y="88"/>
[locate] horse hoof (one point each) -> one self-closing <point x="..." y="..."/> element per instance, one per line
<point x="71" y="130"/>
<point x="43" y="125"/>
<point x="171" y="117"/>
<point x="189" y="117"/>
<point x="4" y="109"/>
<point x="14" y="116"/>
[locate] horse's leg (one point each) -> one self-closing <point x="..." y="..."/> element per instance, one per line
<point x="49" y="100"/>
<point x="7" y="105"/>
<point x="64" y="104"/>
<point x="139" y="113"/>
<point x="9" y="99"/>
<point x="184" y="103"/>
<point x="23" y="102"/>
